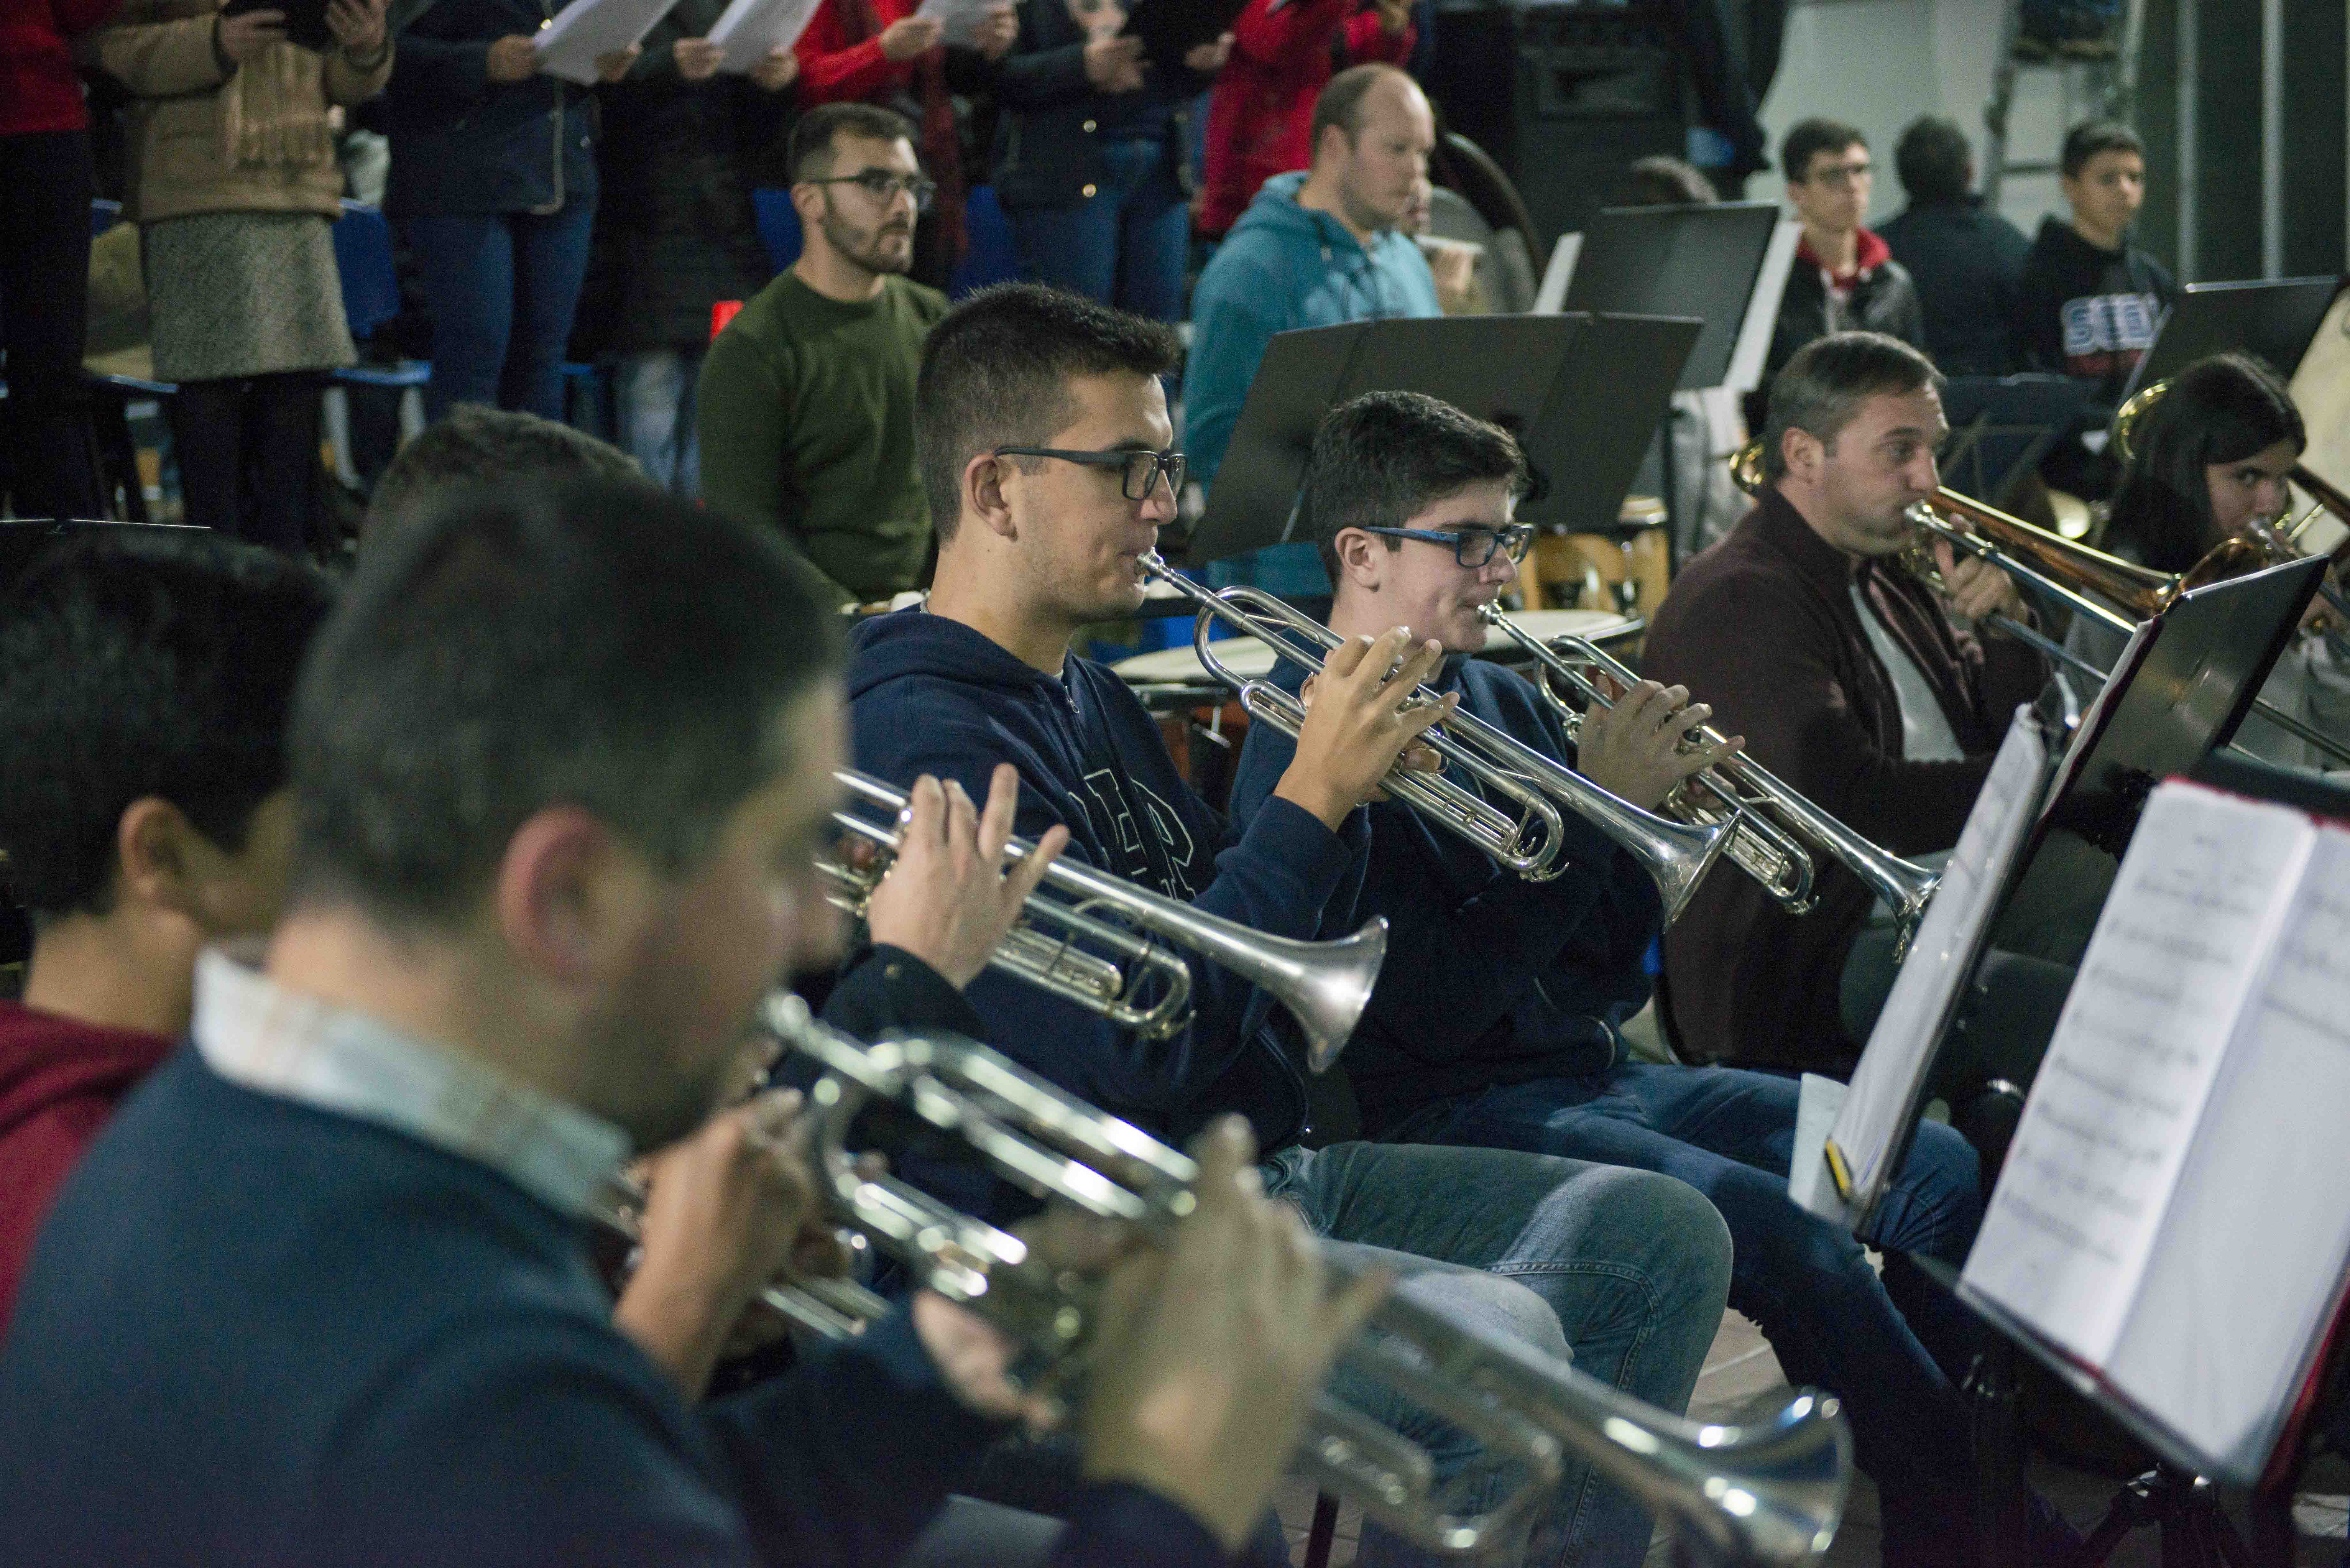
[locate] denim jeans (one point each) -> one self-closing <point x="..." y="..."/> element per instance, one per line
<point x="656" y="416"/>
<point x="1625" y="1270"/>
<point x="1730" y="1134"/>
<point x="1124" y="246"/>
<point x="503" y="287"/>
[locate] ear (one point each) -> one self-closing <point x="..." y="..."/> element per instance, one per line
<point x="572" y="899"/>
<point x="984" y="500"/>
<point x="1334" y="142"/>
<point x="807" y="201"/>
<point x="1362" y="559"/>
<point x="1803" y="452"/>
<point x="152" y="860"/>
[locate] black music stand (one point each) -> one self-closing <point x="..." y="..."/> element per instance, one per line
<point x="2002" y="426"/>
<point x="1701" y="262"/>
<point x="2274" y="319"/>
<point x="1583" y="394"/>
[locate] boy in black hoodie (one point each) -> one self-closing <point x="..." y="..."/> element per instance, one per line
<point x="1043" y="426"/>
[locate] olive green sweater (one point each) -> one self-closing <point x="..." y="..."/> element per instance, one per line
<point x="805" y="411"/>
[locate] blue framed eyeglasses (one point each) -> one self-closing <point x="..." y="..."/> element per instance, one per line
<point x="1473" y="547"/>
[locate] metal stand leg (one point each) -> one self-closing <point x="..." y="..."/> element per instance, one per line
<point x="2002" y="1513"/>
<point x="2196" y="1533"/>
<point x="1326" y="1529"/>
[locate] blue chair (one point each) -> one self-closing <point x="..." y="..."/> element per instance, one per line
<point x="779" y="225"/>
<point x="103" y="215"/>
<point x="990" y="255"/>
<point x="112" y="398"/>
<point x="370" y="281"/>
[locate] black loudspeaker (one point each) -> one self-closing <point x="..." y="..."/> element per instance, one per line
<point x="1564" y="97"/>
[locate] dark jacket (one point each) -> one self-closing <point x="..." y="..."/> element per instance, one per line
<point x="675" y="230"/>
<point x="463" y="144"/>
<point x="1883" y="299"/>
<point x="2087" y="312"/>
<point x="1490" y="979"/>
<point x="1051" y="123"/>
<point x="1762" y="626"/>
<point x="932" y="695"/>
<point x="328" y="1320"/>
<point x="1965" y="264"/>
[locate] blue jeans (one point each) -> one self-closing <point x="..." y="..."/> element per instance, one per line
<point x="1624" y="1269"/>
<point x="657" y="417"/>
<point x="502" y="286"/>
<point x="1123" y="246"/>
<point x="1730" y="1134"/>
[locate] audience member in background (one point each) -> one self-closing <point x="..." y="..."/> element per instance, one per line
<point x="1663" y="181"/>
<point x="2208" y="461"/>
<point x="475" y="445"/>
<point x="2089" y="301"/>
<point x="806" y="402"/>
<point x="493" y="182"/>
<point x="1262" y="113"/>
<point x="1089" y="156"/>
<point x="143" y="694"/>
<point x="236" y="190"/>
<point x="879" y="52"/>
<point x="46" y="183"/>
<point x="1844" y="277"/>
<point x="1313" y="250"/>
<point x="1964" y="261"/>
<point x="675" y="230"/>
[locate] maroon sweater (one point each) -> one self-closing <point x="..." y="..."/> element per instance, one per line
<point x="1762" y="626"/>
<point x="59" y="1080"/>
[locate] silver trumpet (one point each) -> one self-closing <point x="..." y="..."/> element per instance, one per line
<point x="1768" y="1491"/>
<point x="1777" y="830"/>
<point x="1143" y="984"/>
<point x="1531" y="843"/>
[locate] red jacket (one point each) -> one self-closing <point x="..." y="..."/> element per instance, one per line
<point x="1262" y="106"/>
<point x="59" y="1080"/>
<point x="834" y="70"/>
<point x="38" y="90"/>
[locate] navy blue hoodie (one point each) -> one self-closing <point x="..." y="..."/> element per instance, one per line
<point x="1490" y="979"/>
<point x="931" y="695"/>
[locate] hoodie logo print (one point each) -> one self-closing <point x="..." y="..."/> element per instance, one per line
<point x="1109" y="792"/>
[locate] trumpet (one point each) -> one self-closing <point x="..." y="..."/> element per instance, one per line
<point x="1530" y="843"/>
<point x="1145" y="987"/>
<point x="1777" y="832"/>
<point x="1769" y="1491"/>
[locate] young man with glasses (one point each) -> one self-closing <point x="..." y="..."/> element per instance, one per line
<point x="1045" y="444"/>
<point x="805" y="405"/>
<point x="1845" y="276"/>
<point x="1506" y="1033"/>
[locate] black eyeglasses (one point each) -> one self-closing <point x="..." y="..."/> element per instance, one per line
<point x="884" y="187"/>
<point x="1138" y="471"/>
<point x="1473" y="547"/>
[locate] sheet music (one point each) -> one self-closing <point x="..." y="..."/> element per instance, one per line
<point x="959" y="19"/>
<point x="569" y="44"/>
<point x="2072" y="1221"/>
<point x="1885" y="1086"/>
<point x="747" y="29"/>
<point x="2249" y="1263"/>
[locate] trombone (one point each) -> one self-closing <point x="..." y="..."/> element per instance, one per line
<point x="1770" y="1491"/>
<point x="1145" y="986"/>
<point x="1675" y="855"/>
<point x="1777" y="831"/>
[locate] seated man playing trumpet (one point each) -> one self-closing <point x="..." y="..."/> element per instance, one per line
<point x="1044" y="427"/>
<point x="562" y="765"/>
<point x="1851" y="680"/>
<point x="1497" y="1024"/>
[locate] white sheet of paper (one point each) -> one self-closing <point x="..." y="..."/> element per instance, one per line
<point x="961" y="18"/>
<point x="1890" y="1078"/>
<point x="569" y="46"/>
<point x="1808" y="1182"/>
<point x="747" y="29"/>
<point x="2252" y="1248"/>
<point x="1753" y="349"/>
<point x="1551" y="297"/>
<point x="2066" y="1240"/>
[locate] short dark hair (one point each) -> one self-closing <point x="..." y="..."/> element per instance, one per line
<point x="1381" y="460"/>
<point x="137" y="664"/>
<point x="810" y="155"/>
<point x="1340" y="102"/>
<point x="1822" y="387"/>
<point x="595" y="643"/>
<point x="1663" y="181"/>
<point x="472" y="445"/>
<point x="1815" y="136"/>
<point x="995" y="370"/>
<point x="1936" y="165"/>
<point x="2221" y="410"/>
<point x="2091" y="136"/>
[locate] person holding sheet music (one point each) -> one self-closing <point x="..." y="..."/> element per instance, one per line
<point x="1498" y="1022"/>
<point x="2209" y="459"/>
<point x="493" y="182"/>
